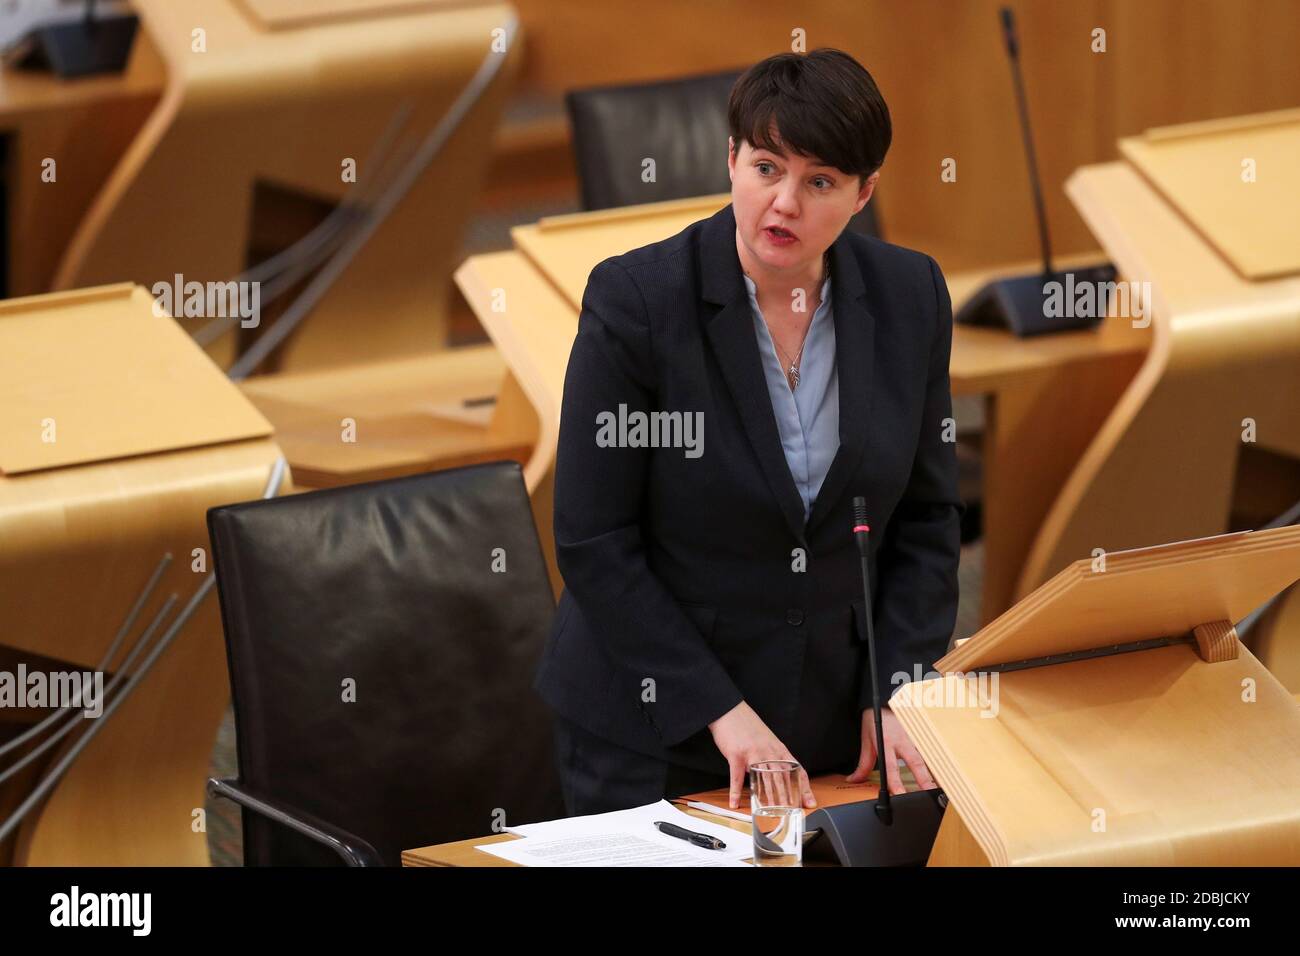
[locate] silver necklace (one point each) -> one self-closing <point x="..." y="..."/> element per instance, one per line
<point x="792" y="373"/>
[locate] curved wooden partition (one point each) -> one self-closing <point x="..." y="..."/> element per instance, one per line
<point x="281" y="96"/>
<point x="1221" y="370"/>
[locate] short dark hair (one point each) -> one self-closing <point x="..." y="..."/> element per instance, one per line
<point x="824" y="104"/>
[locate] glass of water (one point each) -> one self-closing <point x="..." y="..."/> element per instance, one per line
<point x="776" y="799"/>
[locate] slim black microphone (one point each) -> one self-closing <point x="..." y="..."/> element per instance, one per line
<point x="1009" y="31"/>
<point x="892" y="832"/>
<point x="1021" y="303"/>
<point x="1035" y="182"/>
<point x="860" y="531"/>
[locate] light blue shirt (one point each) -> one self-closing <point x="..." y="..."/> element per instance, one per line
<point x="808" y="418"/>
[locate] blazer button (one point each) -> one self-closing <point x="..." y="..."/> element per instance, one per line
<point x="794" y="616"/>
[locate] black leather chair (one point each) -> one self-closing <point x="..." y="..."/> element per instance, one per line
<point x="681" y="124"/>
<point x="381" y="640"/>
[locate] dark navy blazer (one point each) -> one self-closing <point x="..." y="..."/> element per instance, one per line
<point x="693" y="582"/>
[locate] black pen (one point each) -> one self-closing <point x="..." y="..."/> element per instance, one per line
<point x="690" y="836"/>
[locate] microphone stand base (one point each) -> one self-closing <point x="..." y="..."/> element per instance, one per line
<point x="858" y="837"/>
<point x="78" y="48"/>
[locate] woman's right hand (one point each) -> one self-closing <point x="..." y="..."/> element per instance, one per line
<point x="744" y="739"/>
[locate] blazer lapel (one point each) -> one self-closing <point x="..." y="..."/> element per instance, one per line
<point x="855" y="362"/>
<point x="731" y="334"/>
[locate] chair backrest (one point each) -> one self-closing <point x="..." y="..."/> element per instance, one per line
<point x="681" y="124"/>
<point x="382" y="640"/>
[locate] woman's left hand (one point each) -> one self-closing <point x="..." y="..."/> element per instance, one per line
<point x="897" y="744"/>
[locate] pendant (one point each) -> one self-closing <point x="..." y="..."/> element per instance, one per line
<point x="793" y="372"/>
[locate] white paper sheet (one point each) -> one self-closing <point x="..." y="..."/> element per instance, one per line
<point x="621" y="838"/>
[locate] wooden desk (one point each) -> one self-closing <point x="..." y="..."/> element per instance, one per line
<point x="261" y="122"/>
<point x="1047" y="397"/>
<point x="409" y="415"/>
<point x="1224" y="352"/>
<point x="463" y="852"/>
<point x="150" y="436"/>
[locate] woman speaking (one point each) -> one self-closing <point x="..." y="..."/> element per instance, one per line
<point x="730" y="391"/>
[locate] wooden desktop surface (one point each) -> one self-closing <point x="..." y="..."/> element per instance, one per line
<point x="464" y="852"/>
<point x="1234" y="180"/>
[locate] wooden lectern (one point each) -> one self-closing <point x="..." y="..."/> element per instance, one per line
<point x="1112" y="717"/>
